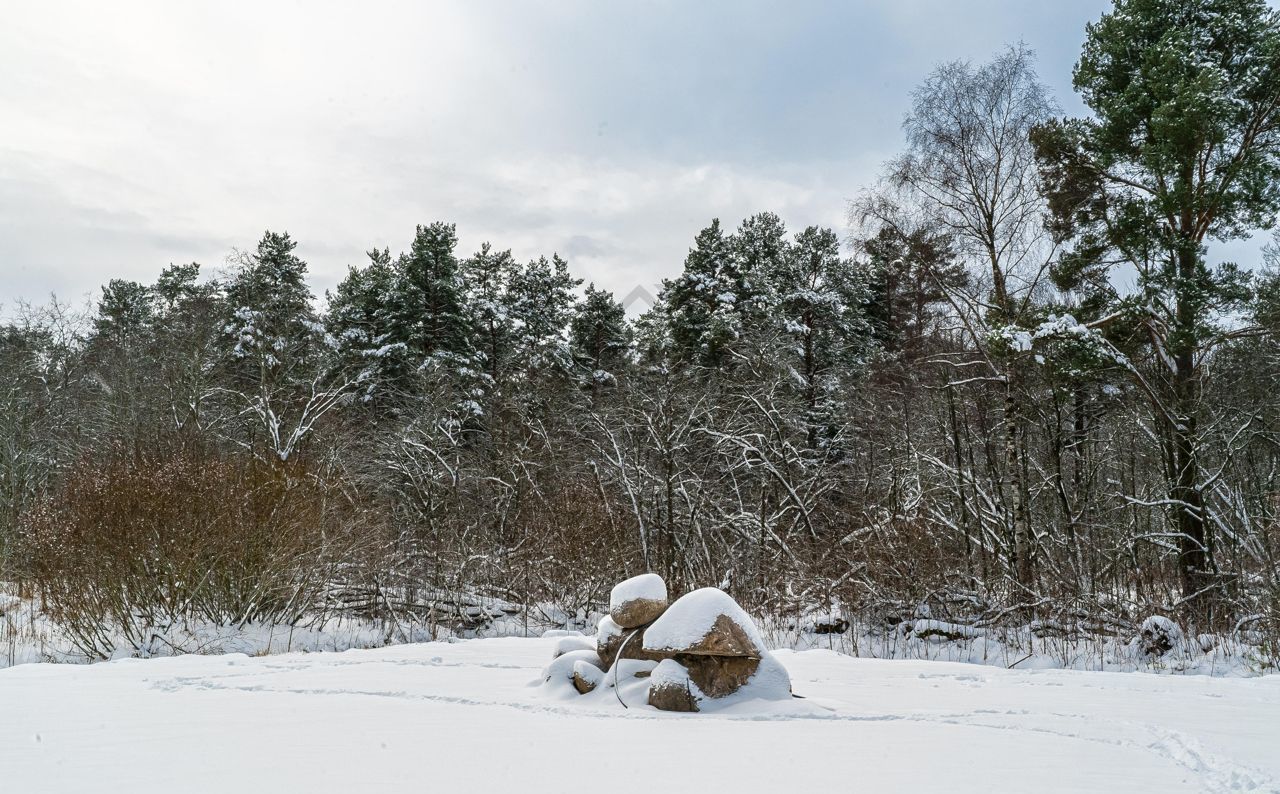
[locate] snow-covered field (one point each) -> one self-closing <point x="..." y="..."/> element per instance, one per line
<point x="468" y="716"/>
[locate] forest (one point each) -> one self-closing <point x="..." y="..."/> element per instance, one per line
<point x="1020" y="388"/>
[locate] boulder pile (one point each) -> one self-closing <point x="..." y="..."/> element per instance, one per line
<point x="695" y="652"/>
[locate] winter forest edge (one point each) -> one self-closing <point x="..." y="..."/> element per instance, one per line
<point x="1013" y="400"/>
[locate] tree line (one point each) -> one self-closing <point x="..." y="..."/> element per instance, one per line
<point x="1017" y="389"/>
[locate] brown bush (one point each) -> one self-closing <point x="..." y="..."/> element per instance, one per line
<point x="132" y="545"/>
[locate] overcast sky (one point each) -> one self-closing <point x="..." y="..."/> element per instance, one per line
<point x="133" y="135"/>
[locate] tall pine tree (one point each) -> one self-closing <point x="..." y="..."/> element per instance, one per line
<point x="1183" y="147"/>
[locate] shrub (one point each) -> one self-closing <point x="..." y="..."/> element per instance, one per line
<point x="132" y="545"/>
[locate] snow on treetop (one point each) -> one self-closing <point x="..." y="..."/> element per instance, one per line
<point x="648" y="586"/>
<point x="691" y="618"/>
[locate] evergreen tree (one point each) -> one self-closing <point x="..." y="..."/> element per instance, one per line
<point x="119" y="352"/>
<point x="1184" y="146"/>
<point x="907" y="275"/>
<point x="488" y="276"/>
<point x="599" y="339"/>
<point x="358" y="320"/>
<point x="760" y="249"/>
<point x="541" y="303"/>
<point x="125" y="312"/>
<point x="427" y="312"/>
<point x="701" y="304"/>
<point x="272" y="323"/>
<point x="281" y="358"/>
<point x="272" y="284"/>
<point x="819" y="307"/>
<point x="190" y="340"/>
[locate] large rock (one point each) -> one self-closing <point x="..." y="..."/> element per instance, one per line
<point x="718" y="676"/>
<point x="638" y="600"/>
<point x="612" y="639"/>
<point x="1158" y="636"/>
<point x="706" y="622"/>
<point x="712" y="638"/>
<point x="670" y="688"/>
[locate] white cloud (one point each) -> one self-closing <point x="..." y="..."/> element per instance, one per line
<point x="140" y="133"/>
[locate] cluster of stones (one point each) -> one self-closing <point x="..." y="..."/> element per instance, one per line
<point x="702" y="646"/>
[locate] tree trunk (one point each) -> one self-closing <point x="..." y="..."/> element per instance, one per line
<point x="1022" y="541"/>
<point x="1193" y="558"/>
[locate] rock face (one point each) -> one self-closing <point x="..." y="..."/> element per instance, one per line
<point x="638" y="600"/>
<point x="718" y="676"/>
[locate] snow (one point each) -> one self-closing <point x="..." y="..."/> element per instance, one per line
<point x="648" y="586"/>
<point x="770" y="682"/>
<point x="588" y="671"/>
<point x="669" y="671"/>
<point x="468" y="717"/>
<point x="692" y="616"/>
<point x="560" y="670"/>
<point x="1162" y="625"/>
<point x="572" y="642"/>
<point x="606" y="630"/>
<point x="941" y="628"/>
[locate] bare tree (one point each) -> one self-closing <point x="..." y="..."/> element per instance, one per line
<point x="970" y="168"/>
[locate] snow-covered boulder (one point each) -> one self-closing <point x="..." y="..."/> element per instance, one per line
<point x="559" y="674"/>
<point x="612" y="641"/>
<point x="586" y="676"/>
<point x="670" y="688"/>
<point x="638" y="600"/>
<point x="713" y="640"/>
<point x="706" y="622"/>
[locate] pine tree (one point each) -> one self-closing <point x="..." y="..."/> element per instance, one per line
<point x="358" y="321"/>
<point x="907" y="275"/>
<point x="760" y="248"/>
<point x="488" y="276"/>
<point x="280" y="364"/>
<point x="819" y="309"/>
<point x="541" y="303"/>
<point x="599" y="339"/>
<point x="190" y="341"/>
<point x="272" y="323"/>
<point x="119" y="352"/>
<point x="426" y="304"/>
<point x="1184" y="146"/>
<point x="701" y="304"/>
<point x="125" y="312"/>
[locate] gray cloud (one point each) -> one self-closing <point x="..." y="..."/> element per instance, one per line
<point x="139" y="134"/>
